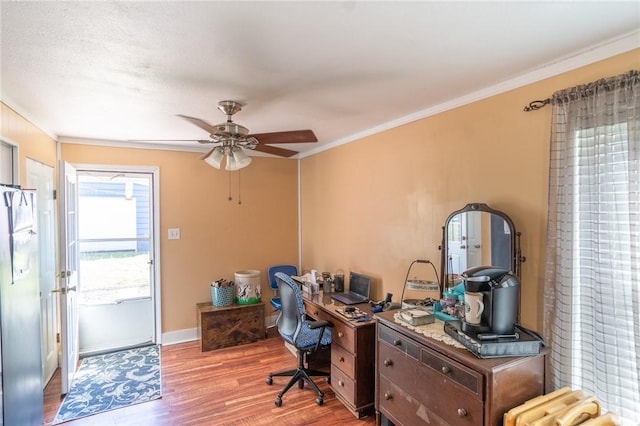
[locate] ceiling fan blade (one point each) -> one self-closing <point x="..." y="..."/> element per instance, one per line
<point x="171" y="140"/>
<point x="292" y="136"/>
<point x="275" y="150"/>
<point x="200" y="123"/>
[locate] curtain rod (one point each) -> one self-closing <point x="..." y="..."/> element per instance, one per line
<point x="534" y="105"/>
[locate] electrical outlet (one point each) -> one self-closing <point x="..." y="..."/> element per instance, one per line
<point x="174" y="233"/>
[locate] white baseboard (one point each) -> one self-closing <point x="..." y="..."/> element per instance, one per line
<point x="180" y="336"/>
<point x="270" y="320"/>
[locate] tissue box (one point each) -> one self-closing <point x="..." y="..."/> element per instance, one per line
<point x="417" y="316"/>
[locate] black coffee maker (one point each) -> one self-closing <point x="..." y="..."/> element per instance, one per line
<point x="500" y="294"/>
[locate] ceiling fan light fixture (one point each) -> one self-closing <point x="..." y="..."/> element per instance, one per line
<point x="241" y="157"/>
<point x="231" y="163"/>
<point x="215" y="158"/>
<point x="237" y="159"/>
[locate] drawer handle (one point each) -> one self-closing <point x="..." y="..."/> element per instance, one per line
<point x="388" y="396"/>
<point x="340" y="334"/>
<point x="397" y="342"/>
<point x="445" y="369"/>
<point x="388" y="362"/>
<point x="341" y="383"/>
<point x="341" y="359"/>
<point x="462" y="412"/>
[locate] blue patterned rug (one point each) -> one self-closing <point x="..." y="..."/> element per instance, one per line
<point x="111" y="381"/>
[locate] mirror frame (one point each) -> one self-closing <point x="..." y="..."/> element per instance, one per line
<point x="516" y="256"/>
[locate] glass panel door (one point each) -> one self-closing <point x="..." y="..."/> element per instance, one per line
<point x="116" y="298"/>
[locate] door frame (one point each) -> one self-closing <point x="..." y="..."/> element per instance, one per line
<point x="154" y="171"/>
<point x="15" y="156"/>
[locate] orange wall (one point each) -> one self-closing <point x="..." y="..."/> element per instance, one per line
<point x="32" y="142"/>
<point x="371" y="206"/>
<point x="376" y="204"/>
<point x="218" y="237"/>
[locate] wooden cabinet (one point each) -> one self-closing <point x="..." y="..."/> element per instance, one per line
<point x="352" y="355"/>
<point x="221" y="327"/>
<point x="420" y="380"/>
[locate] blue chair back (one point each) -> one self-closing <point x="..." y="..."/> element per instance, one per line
<point x="292" y="324"/>
<point x="271" y="274"/>
<point x="285" y="269"/>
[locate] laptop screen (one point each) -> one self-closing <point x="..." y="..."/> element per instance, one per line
<point x="359" y="284"/>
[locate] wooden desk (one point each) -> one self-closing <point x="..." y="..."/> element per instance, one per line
<point x="352" y="353"/>
<point x="221" y="327"/>
<point x="420" y="378"/>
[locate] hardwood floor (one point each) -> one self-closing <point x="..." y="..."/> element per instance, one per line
<point x="221" y="387"/>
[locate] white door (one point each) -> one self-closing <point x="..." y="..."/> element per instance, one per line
<point x="68" y="275"/>
<point x="474" y="239"/>
<point x="40" y="178"/>
<point x="117" y="296"/>
<point x="465" y="242"/>
<point x="457" y="245"/>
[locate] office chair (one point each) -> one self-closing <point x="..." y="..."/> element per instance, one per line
<point x="271" y="274"/>
<point x="307" y="336"/>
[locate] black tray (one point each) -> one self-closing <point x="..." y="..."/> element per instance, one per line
<point x="526" y="344"/>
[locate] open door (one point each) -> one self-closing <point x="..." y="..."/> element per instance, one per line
<point x="68" y="275"/>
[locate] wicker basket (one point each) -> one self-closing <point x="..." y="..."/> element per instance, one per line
<point x="222" y="296"/>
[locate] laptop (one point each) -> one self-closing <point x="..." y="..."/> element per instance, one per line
<point x="359" y="287"/>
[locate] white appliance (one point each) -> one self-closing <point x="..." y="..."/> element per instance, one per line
<point x="21" y="397"/>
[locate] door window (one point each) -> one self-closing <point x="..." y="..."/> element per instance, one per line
<point x="115" y="224"/>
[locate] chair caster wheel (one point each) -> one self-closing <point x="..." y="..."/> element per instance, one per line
<point x="269" y="381"/>
<point x="328" y="379"/>
<point x="319" y="400"/>
<point x="278" y="402"/>
<point x="301" y="384"/>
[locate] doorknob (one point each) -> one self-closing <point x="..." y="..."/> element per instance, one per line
<point x="64" y="290"/>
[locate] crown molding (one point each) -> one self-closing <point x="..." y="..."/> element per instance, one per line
<point x="11" y="104"/>
<point x="127" y="144"/>
<point x="570" y="62"/>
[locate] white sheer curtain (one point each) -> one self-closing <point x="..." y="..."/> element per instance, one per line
<point x="592" y="273"/>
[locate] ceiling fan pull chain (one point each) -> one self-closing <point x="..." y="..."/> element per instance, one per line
<point x="239" y="199"/>
<point x="230" y="197"/>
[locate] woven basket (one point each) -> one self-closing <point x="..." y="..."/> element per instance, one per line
<point x="222" y="296"/>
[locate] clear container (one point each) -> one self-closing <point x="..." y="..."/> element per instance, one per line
<point x="459" y="307"/>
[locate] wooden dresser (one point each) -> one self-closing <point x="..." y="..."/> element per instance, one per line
<point x="420" y="380"/>
<point x="352" y="354"/>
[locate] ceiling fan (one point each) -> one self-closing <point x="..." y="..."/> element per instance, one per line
<point x="232" y="139"/>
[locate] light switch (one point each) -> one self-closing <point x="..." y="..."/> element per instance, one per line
<point x="174" y="233"/>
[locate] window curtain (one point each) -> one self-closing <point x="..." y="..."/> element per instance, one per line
<point x="592" y="265"/>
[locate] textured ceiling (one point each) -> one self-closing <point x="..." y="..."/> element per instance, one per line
<point x="121" y="71"/>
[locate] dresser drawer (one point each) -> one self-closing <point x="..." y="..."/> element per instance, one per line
<point x="400" y="342"/>
<point x="397" y="366"/>
<point x="344" y="336"/>
<point x="343" y="384"/>
<point x="436" y="403"/>
<point x="452" y="370"/>
<point x="344" y="360"/>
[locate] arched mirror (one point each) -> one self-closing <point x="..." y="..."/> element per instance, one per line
<point x="478" y="235"/>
